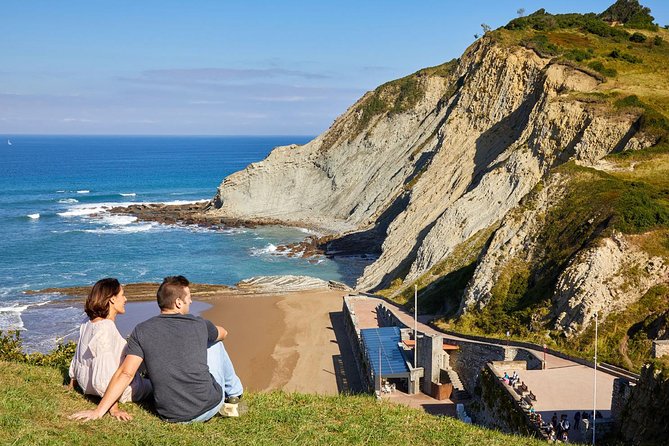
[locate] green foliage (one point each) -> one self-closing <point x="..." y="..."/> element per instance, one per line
<point x="579" y="55"/>
<point x="600" y="68"/>
<point x="637" y="38"/>
<point x="657" y="40"/>
<point x="539" y="42"/>
<point x="630" y="13"/>
<point x="11" y="349"/>
<point x="543" y="21"/>
<point x="398" y="96"/>
<point x="616" y="54"/>
<point x="651" y="122"/>
<point x="641" y="208"/>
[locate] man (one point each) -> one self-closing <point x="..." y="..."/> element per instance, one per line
<point x="192" y="375"/>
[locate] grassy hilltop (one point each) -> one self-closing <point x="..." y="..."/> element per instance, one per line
<point x="34" y="408"/>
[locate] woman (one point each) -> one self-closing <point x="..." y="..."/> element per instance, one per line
<point x="101" y="348"/>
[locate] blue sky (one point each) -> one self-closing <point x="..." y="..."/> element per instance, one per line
<point x="225" y="67"/>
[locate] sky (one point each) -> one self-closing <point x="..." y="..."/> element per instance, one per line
<point x="222" y="67"/>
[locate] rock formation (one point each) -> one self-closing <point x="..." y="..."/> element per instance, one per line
<point x="422" y="164"/>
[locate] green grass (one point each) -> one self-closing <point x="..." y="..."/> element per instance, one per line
<point x="34" y="407"/>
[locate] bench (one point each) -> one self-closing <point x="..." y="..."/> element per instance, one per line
<point x="532" y="396"/>
<point x="523" y="386"/>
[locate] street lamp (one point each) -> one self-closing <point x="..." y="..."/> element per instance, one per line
<point x="594" y="396"/>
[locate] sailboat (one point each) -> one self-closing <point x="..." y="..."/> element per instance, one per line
<point x="9" y="143"/>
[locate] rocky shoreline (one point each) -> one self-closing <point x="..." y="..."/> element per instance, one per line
<point x="254" y="285"/>
<point x="195" y="214"/>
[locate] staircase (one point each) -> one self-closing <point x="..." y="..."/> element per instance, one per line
<point x="459" y="391"/>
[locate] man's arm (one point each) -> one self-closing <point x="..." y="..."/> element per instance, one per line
<point x="120" y="380"/>
<point x="222" y="333"/>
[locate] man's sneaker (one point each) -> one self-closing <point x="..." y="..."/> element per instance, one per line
<point x="233" y="407"/>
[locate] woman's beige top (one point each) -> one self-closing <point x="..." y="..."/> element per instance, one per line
<point x="100" y="350"/>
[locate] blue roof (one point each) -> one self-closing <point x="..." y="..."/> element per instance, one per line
<point x="385" y="340"/>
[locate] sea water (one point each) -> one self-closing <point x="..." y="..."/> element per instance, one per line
<point x="55" y="230"/>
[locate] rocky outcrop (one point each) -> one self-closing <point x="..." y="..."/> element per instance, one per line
<point x="603" y="279"/>
<point x="287" y="284"/>
<point x="644" y="418"/>
<point x="426" y="178"/>
<point x="514" y="241"/>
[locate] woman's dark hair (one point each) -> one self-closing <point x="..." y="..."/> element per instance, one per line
<point x="97" y="302"/>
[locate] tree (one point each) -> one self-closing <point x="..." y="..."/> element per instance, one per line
<point x="486" y="28"/>
<point x="520" y="12"/>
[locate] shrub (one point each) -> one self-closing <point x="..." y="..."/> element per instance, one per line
<point x="615" y="54"/>
<point x="657" y="40"/>
<point x="630" y="13"/>
<point x="11" y="349"/>
<point x="638" y="38"/>
<point x="599" y="67"/>
<point x="579" y="55"/>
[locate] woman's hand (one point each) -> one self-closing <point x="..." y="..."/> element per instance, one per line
<point x="120" y="415"/>
<point x="85" y="415"/>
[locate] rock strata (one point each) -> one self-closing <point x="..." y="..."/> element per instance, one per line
<point x="287" y="283"/>
<point x="417" y="182"/>
<point x="603" y="279"/>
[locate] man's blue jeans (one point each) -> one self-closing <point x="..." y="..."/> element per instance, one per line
<point x="221" y="368"/>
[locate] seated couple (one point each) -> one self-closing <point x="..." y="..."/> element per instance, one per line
<point x="190" y="373"/>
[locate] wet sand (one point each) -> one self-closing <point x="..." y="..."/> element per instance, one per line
<point x="282" y="341"/>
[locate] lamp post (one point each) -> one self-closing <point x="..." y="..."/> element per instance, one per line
<point x="594" y="396"/>
<point x="415" y="326"/>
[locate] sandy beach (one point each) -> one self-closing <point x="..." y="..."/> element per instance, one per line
<point x="288" y="341"/>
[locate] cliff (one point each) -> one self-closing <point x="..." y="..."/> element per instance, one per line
<point x="526" y="138"/>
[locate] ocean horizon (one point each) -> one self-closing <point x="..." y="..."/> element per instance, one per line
<point x="55" y="230"/>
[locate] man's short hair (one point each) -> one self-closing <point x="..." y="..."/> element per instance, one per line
<point x="172" y="288"/>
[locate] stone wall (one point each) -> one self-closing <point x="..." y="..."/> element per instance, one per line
<point x="353" y="334"/>
<point x="644" y="419"/>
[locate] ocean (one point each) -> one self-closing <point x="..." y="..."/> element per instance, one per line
<point x="52" y="185"/>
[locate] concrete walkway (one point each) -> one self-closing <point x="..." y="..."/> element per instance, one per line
<point x="564" y="386"/>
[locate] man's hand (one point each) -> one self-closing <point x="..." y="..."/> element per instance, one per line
<point x="85" y="415"/>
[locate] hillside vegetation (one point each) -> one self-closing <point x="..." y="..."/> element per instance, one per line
<point x="34" y="407"/>
<point x="630" y="196"/>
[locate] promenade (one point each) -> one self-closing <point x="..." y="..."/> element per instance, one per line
<point x="563" y="387"/>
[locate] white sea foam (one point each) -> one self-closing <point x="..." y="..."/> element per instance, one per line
<point x="131" y="194"/>
<point x="68" y="201"/>
<point x="270" y="249"/>
<point x="84" y="191"/>
<point x="33" y="216"/>
<point x="118" y="220"/>
<point x="126" y="229"/>
<point x="60" y="191"/>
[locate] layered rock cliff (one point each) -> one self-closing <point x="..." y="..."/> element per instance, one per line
<point x="495" y="139"/>
<point x="477" y="140"/>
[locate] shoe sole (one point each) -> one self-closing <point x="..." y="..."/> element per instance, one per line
<point x="233" y="410"/>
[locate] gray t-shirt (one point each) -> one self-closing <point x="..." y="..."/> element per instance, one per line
<point x="174" y="349"/>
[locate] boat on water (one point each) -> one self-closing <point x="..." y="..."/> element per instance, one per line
<point x="9" y="143"/>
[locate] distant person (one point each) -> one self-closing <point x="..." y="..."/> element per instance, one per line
<point x="101" y="348"/>
<point x="554" y="421"/>
<point x="192" y="375"/>
<point x="577" y="419"/>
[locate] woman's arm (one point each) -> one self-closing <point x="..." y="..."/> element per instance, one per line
<point x="119" y="382"/>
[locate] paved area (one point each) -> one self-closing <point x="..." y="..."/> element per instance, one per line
<point x="563" y="387"/>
